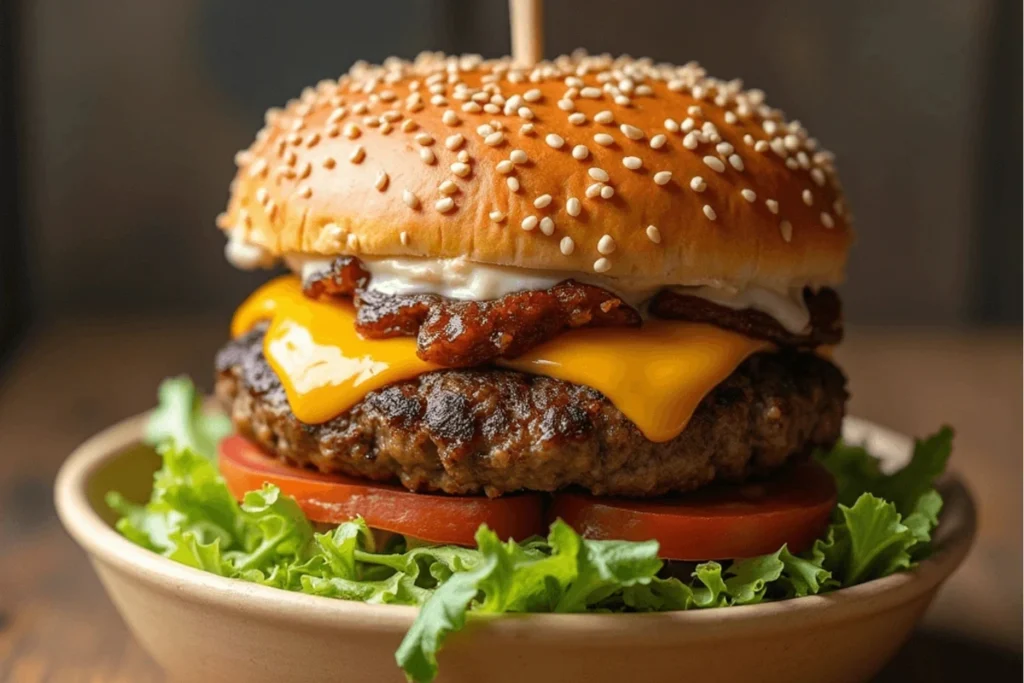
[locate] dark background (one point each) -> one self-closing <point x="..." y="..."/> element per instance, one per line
<point x="128" y="113"/>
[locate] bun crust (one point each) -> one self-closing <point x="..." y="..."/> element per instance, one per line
<point x="449" y="157"/>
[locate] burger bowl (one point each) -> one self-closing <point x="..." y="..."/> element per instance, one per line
<point x="202" y="627"/>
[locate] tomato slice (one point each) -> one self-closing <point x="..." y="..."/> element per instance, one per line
<point x="717" y="523"/>
<point x="335" y="499"/>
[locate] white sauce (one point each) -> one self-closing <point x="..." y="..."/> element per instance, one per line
<point x="243" y="254"/>
<point x="462" y="279"/>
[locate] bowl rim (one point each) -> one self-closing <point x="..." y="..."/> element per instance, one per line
<point x="104" y="545"/>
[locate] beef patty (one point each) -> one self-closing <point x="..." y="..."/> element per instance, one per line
<point x="467" y="333"/>
<point x="496" y="431"/>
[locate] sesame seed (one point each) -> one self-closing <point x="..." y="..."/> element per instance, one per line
<point x="439" y="101"/>
<point x="671" y="126"/>
<point x="602" y="265"/>
<point x="791" y="142"/>
<point x="807" y="197"/>
<point x="577" y="119"/>
<point x="837" y="207"/>
<point x="694" y="110"/>
<point x="632" y="163"/>
<point x="259" y="168"/>
<point x="709" y="212"/>
<point x="449" y="118"/>
<point x="792" y="164"/>
<point x="357" y="155"/>
<point x="687" y="124"/>
<point x="471" y="108"/>
<point x="262" y="196"/>
<point x="351" y="131"/>
<point x="690" y="141"/>
<point x="786" y="228"/>
<point x="730" y="117"/>
<point x="653" y="234"/>
<point x="542" y="201"/>
<point x="749" y="195"/>
<point x="445" y="204"/>
<point x="826" y="220"/>
<point x="411" y="200"/>
<point x="761" y="146"/>
<point x="527" y="129"/>
<point x="604" y="116"/>
<point x="818" y="176"/>
<point x="697" y="184"/>
<point x="736" y="162"/>
<point x="547" y="226"/>
<point x="448" y="187"/>
<point x="566" y="105"/>
<point x="305" y="170"/>
<point x="580" y="152"/>
<point x="598" y="174"/>
<point x="607" y="192"/>
<point x="606" y="245"/>
<point x="529" y="223"/>
<point x="662" y="177"/>
<point x="404" y="237"/>
<point x="772" y="205"/>
<point x="427" y="155"/>
<point x="658" y="141"/>
<point x="631" y="132"/>
<point x="304" y="191"/>
<point x="353" y="242"/>
<point x="518" y="156"/>
<point x="590" y="92"/>
<point x="381" y="182"/>
<point x="623" y="101"/>
<point x="770" y="127"/>
<point x="532" y="95"/>
<point x="594" y="190"/>
<point x="409" y="125"/>
<point x="460" y="169"/>
<point x="492" y="108"/>
<point x="494" y="139"/>
<point x="463" y="156"/>
<point x="604" y="139"/>
<point x="554" y="141"/>
<point x="504" y="167"/>
<point x="573" y="206"/>
<point x="778" y="147"/>
<point x="513" y="184"/>
<point x="496" y="216"/>
<point x="714" y="163"/>
<point x="332" y="131"/>
<point x="328" y="162"/>
<point x="724" y="148"/>
<point x="453" y="142"/>
<point x="567" y="246"/>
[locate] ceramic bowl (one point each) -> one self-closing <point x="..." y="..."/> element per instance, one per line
<point x="201" y="627"/>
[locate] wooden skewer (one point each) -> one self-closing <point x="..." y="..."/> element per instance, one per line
<point x="527" y="19"/>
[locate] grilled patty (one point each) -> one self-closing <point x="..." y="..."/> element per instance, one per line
<point x="497" y="431"/>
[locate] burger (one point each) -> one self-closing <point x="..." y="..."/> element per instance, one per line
<point x="595" y="295"/>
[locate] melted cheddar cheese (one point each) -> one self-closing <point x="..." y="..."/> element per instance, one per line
<point x="656" y="374"/>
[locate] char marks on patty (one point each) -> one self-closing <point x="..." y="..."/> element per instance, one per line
<point x="498" y="431"/>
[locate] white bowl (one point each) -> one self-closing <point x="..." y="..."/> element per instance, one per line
<point x="201" y="627"/>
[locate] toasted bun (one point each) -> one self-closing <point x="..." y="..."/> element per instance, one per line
<point x="583" y="164"/>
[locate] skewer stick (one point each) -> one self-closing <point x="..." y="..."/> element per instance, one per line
<point x="527" y="19"/>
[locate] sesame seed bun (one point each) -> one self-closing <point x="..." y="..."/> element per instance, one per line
<point x="584" y="164"/>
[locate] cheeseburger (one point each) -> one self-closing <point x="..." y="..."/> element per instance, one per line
<point x="606" y="279"/>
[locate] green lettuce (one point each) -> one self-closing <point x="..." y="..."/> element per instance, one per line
<point x="881" y="525"/>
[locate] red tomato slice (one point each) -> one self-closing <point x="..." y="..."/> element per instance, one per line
<point x="335" y="499"/>
<point x="718" y="523"/>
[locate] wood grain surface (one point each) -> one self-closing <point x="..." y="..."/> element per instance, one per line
<point x="72" y="379"/>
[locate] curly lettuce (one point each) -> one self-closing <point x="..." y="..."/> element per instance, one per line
<point x="882" y="524"/>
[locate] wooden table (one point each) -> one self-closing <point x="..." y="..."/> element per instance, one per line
<point x="76" y="377"/>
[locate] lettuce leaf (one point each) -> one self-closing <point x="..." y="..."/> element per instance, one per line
<point x="882" y="524"/>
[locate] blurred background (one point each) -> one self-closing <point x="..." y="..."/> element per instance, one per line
<point x="119" y="120"/>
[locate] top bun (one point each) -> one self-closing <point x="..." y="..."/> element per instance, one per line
<point x="616" y="166"/>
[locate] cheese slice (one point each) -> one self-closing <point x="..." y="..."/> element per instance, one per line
<point x="656" y="374"/>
